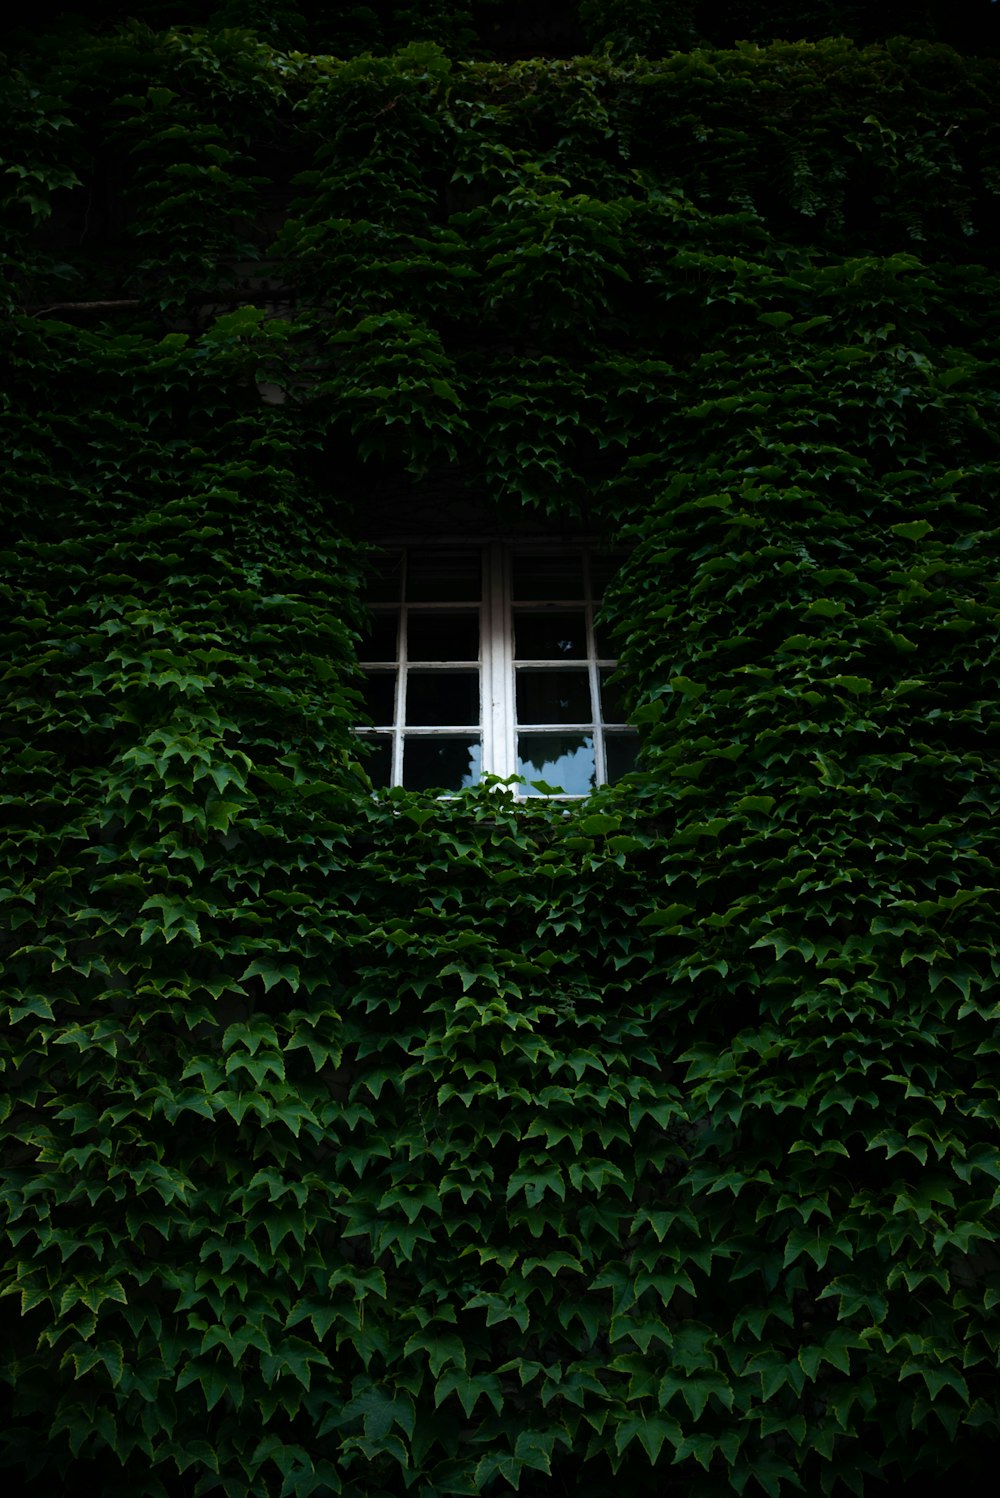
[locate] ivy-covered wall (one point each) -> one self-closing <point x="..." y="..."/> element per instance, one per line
<point x="369" y="1144"/>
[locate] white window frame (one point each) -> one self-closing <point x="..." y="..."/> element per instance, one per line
<point x="497" y="665"/>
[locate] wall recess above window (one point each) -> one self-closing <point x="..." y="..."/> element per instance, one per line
<point x="484" y="659"/>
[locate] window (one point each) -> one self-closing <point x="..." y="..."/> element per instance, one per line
<point x="485" y="658"/>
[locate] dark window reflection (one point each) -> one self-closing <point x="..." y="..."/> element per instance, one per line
<point x="386" y="582"/>
<point x="602" y="645"/>
<point x="553" y="697"/>
<point x="550" y="634"/>
<point x="603" y="569"/>
<point x="441" y="698"/>
<point x="612" y="698"/>
<point x="446" y="636"/>
<point x="563" y="760"/>
<point x="536" y="575"/>
<point x="446" y="762"/>
<point x="377" y="758"/>
<point x="621" y="751"/>
<point x="444" y="577"/>
<point x="379" y="642"/>
<point x="380" y="696"/>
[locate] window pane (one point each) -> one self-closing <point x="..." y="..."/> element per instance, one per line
<point x="564" y="760"/>
<point x="536" y="575"/>
<point x="444" y="577"/>
<point x="444" y="762"/>
<point x="603" y="569"/>
<point x="553" y="697"/>
<point x="550" y="635"/>
<point x="603" y="646"/>
<point x="612" y="703"/>
<point x="451" y="636"/>
<point x="376" y="757"/>
<point x="380" y="696"/>
<point x="378" y="643"/>
<point x="621" y="751"/>
<point x="442" y="698"/>
<point x="386" y="582"/>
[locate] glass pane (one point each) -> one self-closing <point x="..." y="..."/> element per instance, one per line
<point x="445" y="763"/>
<point x="442" y="698"/>
<point x="380" y="696"/>
<point x="541" y="575"/>
<point x="620" y="751"/>
<point x="563" y="760"/>
<point x="553" y="697"/>
<point x="603" y="568"/>
<point x="450" y="636"/>
<point x="378" y="643"/>
<point x="612" y="703"/>
<point x="602" y="645"/>
<point x="376" y="755"/>
<point x="386" y="582"/>
<point x="445" y="577"/>
<point x="550" y="635"/>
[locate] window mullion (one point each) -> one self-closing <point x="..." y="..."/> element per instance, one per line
<point x="402" y="647"/>
<point x="596" y="707"/>
<point x="498" y="685"/>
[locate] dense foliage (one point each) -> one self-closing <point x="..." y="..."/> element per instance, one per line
<point x="366" y="1144"/>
